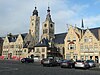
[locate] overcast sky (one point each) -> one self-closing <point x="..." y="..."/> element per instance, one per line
<point x="15" y="14"/>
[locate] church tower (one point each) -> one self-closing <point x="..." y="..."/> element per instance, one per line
<point x="48" y="27"/>
<point x="35" y="26"/>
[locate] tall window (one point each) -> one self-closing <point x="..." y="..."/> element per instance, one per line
<point x="85" y="39"/>
<point x="45" y="31"/>
<point x="86" y="47"/>
<point x="91" y="47"/>
<point x="90" y="39"/>
<point x="95" y="45"/>
<point x="37" y="50"/>
<point x="81" y="46"/>
<point x="43" y="49"/>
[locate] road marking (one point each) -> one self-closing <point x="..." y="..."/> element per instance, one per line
<point x="8" y="69"/>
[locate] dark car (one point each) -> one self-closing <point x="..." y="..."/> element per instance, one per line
<point x="49" y="62"/>
<point x="27" y="60"/>
<point x="59" y="61"/>
<point x="91" y="63"/>
<point x="68" y="64"/>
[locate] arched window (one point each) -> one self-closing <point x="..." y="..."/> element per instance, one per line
<point x="51" y="25"/>
<point x="63" y="51"/>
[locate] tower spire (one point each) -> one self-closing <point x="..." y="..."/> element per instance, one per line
<point x="48" y="17"/>
<point x="82" y="24"/>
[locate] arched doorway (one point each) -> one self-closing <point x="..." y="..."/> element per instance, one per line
<point x="9" y="55"/>
<point x="32" y="56"/>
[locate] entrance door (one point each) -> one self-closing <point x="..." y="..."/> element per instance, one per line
<point x="75" y="57"/>
<point x="9" y="55"/>
<point x="32" y="56"/>
<point x="96" y="59"/>
<point x="91" y="57"/>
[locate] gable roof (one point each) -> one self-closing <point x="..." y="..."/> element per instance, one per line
<point x="43" y="43"/>
<point x="12" y="38"/>
<point x="59" y="38"/>
<point x="24" y="35"/>
<point x="95" y="32"/>
<point x="28" y="41"/>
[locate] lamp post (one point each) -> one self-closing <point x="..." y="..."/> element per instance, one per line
<point x="88" y="53"/>
<point x="19" y="51"/>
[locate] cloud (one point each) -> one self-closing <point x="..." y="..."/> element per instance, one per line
<point x="15" y="14"/>
<point x="92" y="21"/>
<point x="96" y="2"/>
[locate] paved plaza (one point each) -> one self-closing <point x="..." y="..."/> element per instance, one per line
<point x="10" y="67"/>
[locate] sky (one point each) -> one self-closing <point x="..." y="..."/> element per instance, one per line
<point x="15" y="14"/>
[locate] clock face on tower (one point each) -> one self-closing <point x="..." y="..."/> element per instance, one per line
<point x="45" y="25"/>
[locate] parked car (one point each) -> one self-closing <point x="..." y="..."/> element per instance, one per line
<point x="81" y="64"/>
<point x="49" y="62"/>
<point x="91" y="63"/>
<point x="68" y="63"/>
<point x="36" y="59"/>
<point x="27" y="60"/>
<point x="43" y="60"/>
<point x="59" y="61"/>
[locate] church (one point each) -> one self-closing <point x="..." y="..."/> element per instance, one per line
<point x="76" y="43"/>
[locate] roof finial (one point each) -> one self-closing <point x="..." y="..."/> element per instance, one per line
<point x="48" y="4"/>
<point x="48" y="8"/>
<point x="35" y="5"/>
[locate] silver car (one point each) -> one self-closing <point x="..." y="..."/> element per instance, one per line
<point x="91" y="63"/>
<point x="81" y="64"/>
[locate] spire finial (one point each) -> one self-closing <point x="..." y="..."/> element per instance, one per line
<point x="48" y="4"/>
<point x="48" y="9"/>
<point x="35" y="3"/>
